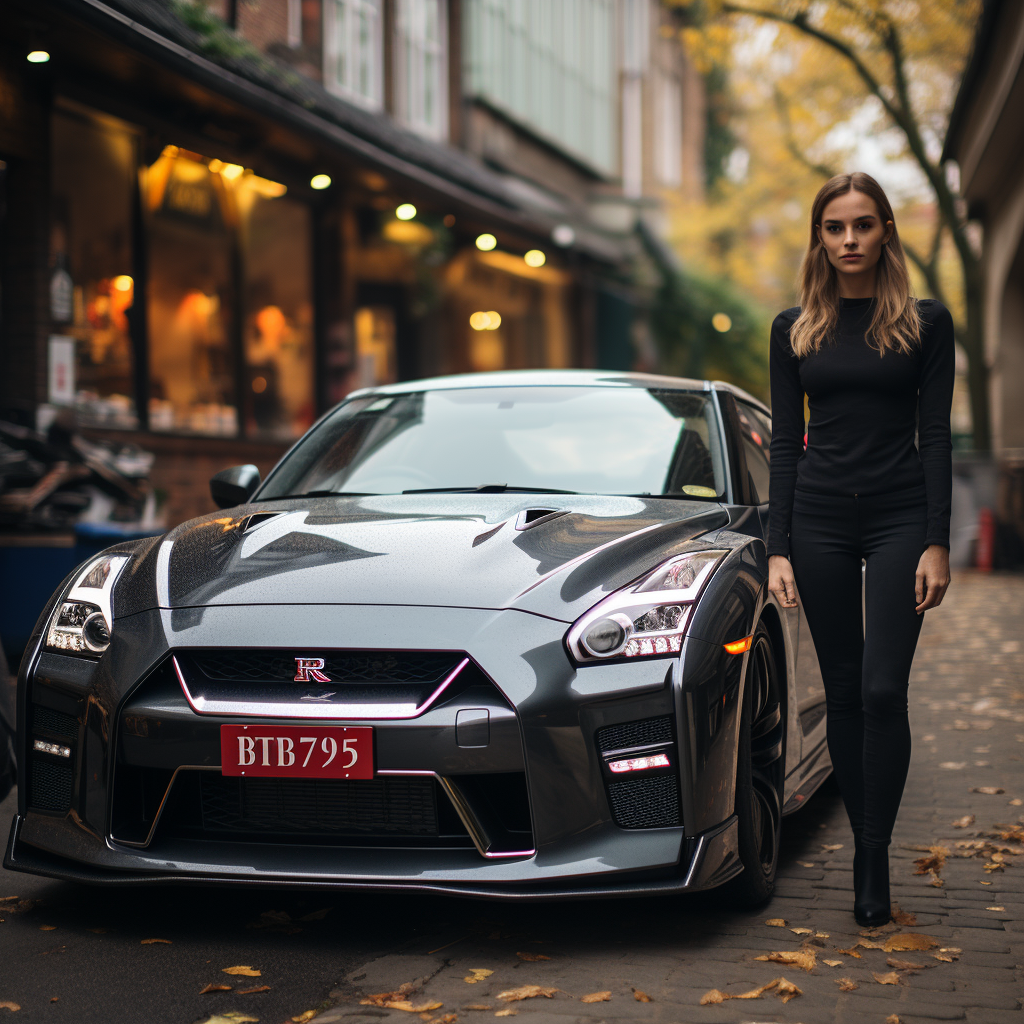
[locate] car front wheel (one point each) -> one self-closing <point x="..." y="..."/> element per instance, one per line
<point x="759" y="775"/>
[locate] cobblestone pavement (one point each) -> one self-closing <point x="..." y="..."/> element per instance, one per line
<point x="85" y="945"/>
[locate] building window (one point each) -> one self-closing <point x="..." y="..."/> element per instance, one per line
<point x="352" y="58"/>
<point x="91" y="285"/>
<point x="421" y="66"/>
<point x="294" y="23"/>
<point x="668" y="134"/>
<point x="550" y="67"/>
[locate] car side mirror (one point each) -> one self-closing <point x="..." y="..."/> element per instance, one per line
<point x="234" y="486"/>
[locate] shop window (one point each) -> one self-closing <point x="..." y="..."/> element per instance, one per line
<point x="278" y="318"/>
<point x="91" y="287"/>
<point x="352" y="44"/>
<point x="420" y="66"/>
<point x="191" y="298"/>
<point x="376" y="358"/>
<point x="230" y="304"/>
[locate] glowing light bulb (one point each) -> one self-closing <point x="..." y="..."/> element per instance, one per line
<point x="406" y="211"/>
<point x="38" y="57"/>
<point x="320" y="181"/>
<point x="123" y="283"/>
<point x="486" y="242"/>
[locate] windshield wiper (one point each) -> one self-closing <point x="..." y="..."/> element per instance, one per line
<point x="323" y="494"/>
<point x="488" y="489"/>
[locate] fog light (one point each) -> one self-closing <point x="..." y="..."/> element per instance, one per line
<point x="51" y="748"/>
<point x="639" y="764"/>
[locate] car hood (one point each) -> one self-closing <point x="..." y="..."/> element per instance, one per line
<point x="454" y="550"/>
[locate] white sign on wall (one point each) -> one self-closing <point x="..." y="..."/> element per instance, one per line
<point x="62" y="369"/>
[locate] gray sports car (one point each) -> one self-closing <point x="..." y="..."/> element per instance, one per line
<point x="496" y="635"/>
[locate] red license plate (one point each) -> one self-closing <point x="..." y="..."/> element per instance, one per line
<point x="297" y="751"/>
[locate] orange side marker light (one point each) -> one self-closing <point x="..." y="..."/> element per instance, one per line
<point x="739" y="646"/>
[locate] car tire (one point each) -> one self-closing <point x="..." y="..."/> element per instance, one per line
<point x="760" y="771"/>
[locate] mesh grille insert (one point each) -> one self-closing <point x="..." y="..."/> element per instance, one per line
<point x="56" y="722"/>
<point x="646" y="803"/>
<point x="635" y="734"/>
<point x="342" y="666"/>
<point x="388" y="807"/>
<point x="49" y="784"/>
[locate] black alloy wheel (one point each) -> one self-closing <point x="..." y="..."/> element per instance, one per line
<point x="760" y="770"/>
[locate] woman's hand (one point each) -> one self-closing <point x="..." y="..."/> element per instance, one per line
<point x="932" y="576"/>
<point x="781" y="581"/>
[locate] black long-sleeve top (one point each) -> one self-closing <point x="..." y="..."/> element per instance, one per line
<point x="863" y="411"/>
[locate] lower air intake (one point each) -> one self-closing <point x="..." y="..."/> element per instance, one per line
<point x="646" y="803"/>
<point x="384" y="807"/>
<point x="49" y="783"/>
<point x="644" y="733"/>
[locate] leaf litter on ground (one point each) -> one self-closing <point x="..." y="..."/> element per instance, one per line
<point x="803" y="958"/>
<point x="245" y="971"/>
<point x="640" y="996"/>
<point x="214" y="988"/>
<point x="597" y="997"/>
<point x="532" y="957"/>
<point x="477" y="974"/>
<point x="846" y="984"/>
<point x="513" y="995"/>
<point x="785" y="990"/>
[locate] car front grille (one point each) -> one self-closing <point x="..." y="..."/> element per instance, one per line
<point x="276" y="666"/>
<point x="646" y="732"/>
<point x="381" y="807"/>
<point x="646" y="803"/>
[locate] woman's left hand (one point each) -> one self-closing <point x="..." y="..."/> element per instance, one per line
<point x="932" y="577"/>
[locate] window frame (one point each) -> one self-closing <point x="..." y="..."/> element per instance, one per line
<point x="410" y="75"/>
<point x="333" y="53"/>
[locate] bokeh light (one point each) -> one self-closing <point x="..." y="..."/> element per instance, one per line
<point x="406" y="211"/>
<point x="721" y="322"/>
<point x="535" y="258"/>
<point x="320" y="181"/>
<point x="486" y="242"/>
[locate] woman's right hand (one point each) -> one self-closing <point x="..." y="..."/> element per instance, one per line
<point x="781" y="581"/>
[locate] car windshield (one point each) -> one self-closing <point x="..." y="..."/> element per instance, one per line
<point x="580" y="439"/>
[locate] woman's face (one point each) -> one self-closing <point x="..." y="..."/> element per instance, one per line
<point x="853" y="234"/>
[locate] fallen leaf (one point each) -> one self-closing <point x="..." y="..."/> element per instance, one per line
<point x="477" y="974"/>
<point x="231" y="1017"/>
<point x="908" y="940"/>
<point x="803" y="958"/>
<point x="950" y="949"/>
<point x="786" y="990"/>
<point x="952" y="765"/>
<point x="248" y="972"/>
<point x="831" y="846"/>
<point x="846" y="984"/>
<point x="801" y="931"/>
<point x="478" y="1006"/>
<point x="253" y="990"/>
<point x="8" y="1005"/>
<point x="776" y="922"/>
<point x="905" y="965"/>
<point x="214" y="988"/>
<point x="964" y="822"/>
<point x="596" y="997"/>
<point x="532" y="957"/>
<point x="153" y="942"/>
<point x="989" y="790"/>
<point x="946" y="958"/>
<point x="404" y="1004"/>
<point x="903" y="917"/>
<point x="806" y="863"/>
<point x="506" y="1013"/>
<point x="304" y="1016"/>
<point x="936" y="881"/>
<point x="933" y="861"/>
<point x="47" y="927"/>
<point x="640" y="996"/>
<point x="851" y="952"/>
<point x="713" y="997"/>
<point x="1003" y="909"/>
<point x="822" y="935"/>
<point x="1016" y="802"/>
<point x="19" y="906"/>
<point x="892" y="1019"/>
<point x="890" y="978"/>
<point x="448" y="1018"/>
<point x="833" y="963"/>
<point x="513" y="995"/>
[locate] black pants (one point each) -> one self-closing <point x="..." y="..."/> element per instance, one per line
<point x="865" y="665"/>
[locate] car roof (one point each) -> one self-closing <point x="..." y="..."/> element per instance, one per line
<point x="558" y="378"/>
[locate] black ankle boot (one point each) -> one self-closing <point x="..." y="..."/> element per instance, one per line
<point x="871" y="903"/>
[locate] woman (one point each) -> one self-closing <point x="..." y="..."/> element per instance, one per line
<point x="872" y="361"/>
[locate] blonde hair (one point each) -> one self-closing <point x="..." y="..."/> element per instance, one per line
<point x="896" y="324"/>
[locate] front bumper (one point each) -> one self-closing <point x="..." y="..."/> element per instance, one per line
<point x="553" y="714"/>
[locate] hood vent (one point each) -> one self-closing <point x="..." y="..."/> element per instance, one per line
<point x="531" y="517"/>
<point x="258" y="519"/>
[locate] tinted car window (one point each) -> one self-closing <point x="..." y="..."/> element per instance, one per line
<point x="755" y="431"/>
<point x="597" y="440"/>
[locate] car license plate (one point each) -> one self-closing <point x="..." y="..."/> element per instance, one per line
<point x="297" y="751"/>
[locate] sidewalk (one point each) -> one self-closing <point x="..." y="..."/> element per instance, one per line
<point x="967" y="912"/>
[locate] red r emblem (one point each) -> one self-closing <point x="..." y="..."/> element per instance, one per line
<point x="309" y="670"/>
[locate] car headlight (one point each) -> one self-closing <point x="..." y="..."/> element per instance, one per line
<point x="82" y="622"/>
<point x="646" y="619"/>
